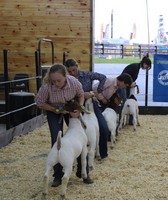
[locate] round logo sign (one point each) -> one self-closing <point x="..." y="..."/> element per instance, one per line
<point x="163" y="77"/>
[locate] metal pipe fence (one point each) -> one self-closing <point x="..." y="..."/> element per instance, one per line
<point x="8" y="110"/>
<point x="122" y="51"/>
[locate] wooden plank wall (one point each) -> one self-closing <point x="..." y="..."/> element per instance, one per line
<point x="68" y="23"/>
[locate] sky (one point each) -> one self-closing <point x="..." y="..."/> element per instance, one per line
<point x="129" y="12"/>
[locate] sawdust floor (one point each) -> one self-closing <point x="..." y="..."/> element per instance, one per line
<point x="136" y="169"/>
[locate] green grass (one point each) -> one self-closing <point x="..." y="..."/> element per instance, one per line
<point x="127" y="60"/>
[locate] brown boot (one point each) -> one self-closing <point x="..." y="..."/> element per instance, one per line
<point x="88" y="180"/>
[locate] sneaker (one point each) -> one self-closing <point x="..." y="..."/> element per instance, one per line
<point x="88" y="180"/>
<point x="56" y="182"/>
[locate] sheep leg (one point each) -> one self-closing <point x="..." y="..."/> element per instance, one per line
<point x="91" y="155"/>
<point x="65" y="180"/>
<point x="138" y="122"/>
<point x="127" y="119"/>
<point x="97" y="148"/>
<point x="112" y="143"/>
<point x="46" y="180"/>
<point x="134" y="122"/>
<point x="51" y="161"/>
<point x="83" y="161"/>
<point x="121" y="122"/>
<point x="137" y="117"/>
<point x="113" y="139"/>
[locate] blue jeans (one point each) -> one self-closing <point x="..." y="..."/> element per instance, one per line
<point x="104" y="131"/>
<point x="55" y="123"/>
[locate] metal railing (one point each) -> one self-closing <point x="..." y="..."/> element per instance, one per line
<point x="7" y="110"/>
<point x="120" y="50"/>
<point x="6" y="83"/>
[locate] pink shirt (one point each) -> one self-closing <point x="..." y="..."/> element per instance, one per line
<point x="109" y="88"/>
<point x="50" y="94"/>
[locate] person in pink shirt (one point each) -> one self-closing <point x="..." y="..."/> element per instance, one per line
<point x="111" y="86"/>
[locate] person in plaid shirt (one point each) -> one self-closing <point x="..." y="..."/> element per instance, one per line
<point x="58" y="88"/>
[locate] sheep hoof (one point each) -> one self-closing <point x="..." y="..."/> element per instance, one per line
<point x="62" y="196"/>
<point x="98" y="157"/>
<point x="91" y="168"/>
<point x="84" y="176"/>
<point x="44" y="196"/>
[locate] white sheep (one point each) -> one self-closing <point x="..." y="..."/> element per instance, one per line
<point x="130" y="108"/>
<point x="92" y="132"/>
<point x="111" y="118"/>
<point x="65" y="151"/>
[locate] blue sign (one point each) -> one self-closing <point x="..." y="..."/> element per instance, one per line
<point x="160" y="81"/>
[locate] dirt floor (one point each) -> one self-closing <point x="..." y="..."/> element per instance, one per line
<point x="136" y="169"/>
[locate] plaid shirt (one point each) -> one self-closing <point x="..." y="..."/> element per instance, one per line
<point x="54" y="96"/>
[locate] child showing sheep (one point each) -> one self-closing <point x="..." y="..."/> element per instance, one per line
<point x="57" y="89"/>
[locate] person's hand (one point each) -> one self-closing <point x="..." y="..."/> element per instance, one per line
<point x="96" y="93"/>
<point x="95" y="99"/>
<point x="64" y="112"/>
<point x="75" y="113"/>
<point x="87" y="95"/>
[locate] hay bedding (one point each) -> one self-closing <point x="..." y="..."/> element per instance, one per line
<point x="136" y="169"/>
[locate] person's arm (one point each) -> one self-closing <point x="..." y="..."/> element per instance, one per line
<point x="101" y="78"/>
<point x="46" y="106"/>
<point x="102" y="98"/>
<point x="80" y="92"/>
<point x="81" y="100"/>
<point x="41" y="99"/>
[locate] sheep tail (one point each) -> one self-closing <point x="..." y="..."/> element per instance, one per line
<point x="59" y="140"/>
